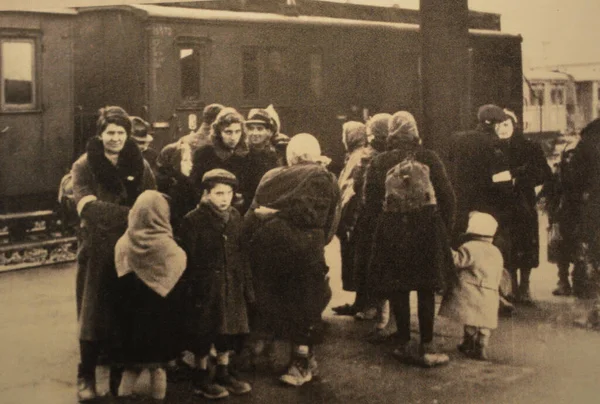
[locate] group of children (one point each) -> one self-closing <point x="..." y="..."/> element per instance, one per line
<point x="191" y="288"/>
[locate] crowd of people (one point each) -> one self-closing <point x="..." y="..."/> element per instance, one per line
<point x="215" y="246"/>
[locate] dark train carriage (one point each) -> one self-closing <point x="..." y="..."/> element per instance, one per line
<point x="166" y="63"/>
<point x="36" y="107"/>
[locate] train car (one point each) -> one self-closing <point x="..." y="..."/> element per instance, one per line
<point x="166" y="63"/>
<point x="36" y="106"/>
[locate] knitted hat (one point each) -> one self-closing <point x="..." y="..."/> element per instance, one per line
<point x="491" y="114"/>
<point x="210" y="112"/>
<point x="482" y="224"/>
<point x="140" y="130"/>
<point x="219" y="176"/>
<point x="303" y="147"/>
<point x="402" y="126"/>
<point x="261" y="116"/>
<point x="271" y="110"/>
<point x="354" y="135"/>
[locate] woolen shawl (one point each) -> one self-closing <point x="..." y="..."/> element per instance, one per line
<point x="148" y="247"/>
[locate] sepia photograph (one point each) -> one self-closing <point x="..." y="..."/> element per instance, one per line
<point x="299" y="201"/>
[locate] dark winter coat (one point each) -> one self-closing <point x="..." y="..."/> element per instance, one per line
<point x="287" y="246"/>
<point x="476" y="157"/>
<point x="216" y="155"/>
<point x="586" y="173"/>
<point x="103" y="221"/>
<point x="410" y="251"/>
<point x="259" y="162"/>
<point x="218" y="274"/>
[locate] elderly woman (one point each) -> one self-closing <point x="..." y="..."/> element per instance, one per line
<point x="291" y="220"/>
<point x="407" y="188"/>
<point x="107" y="179"/>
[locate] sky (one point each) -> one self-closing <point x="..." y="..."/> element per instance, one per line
<point x="554" y="31"/>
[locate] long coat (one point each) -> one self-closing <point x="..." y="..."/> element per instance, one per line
<point x="476" y="157"/>
<point x="103" y="221"/>
<point x="410" y="251"/>
<point x="474" y="300"/>
<point x="218" y="275"/>
<point x="287" y="247"/>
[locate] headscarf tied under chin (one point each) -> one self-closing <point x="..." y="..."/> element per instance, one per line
<point x="148" y="248"/>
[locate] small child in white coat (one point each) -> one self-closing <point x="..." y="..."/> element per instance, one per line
<point x="474" y="299"/>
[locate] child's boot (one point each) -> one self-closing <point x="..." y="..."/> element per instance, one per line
<point x="480" y="347"/>
<point x="203" y="385"/>
<point x="128" y="380"/>
<point x="468" y="343"/>
<point x="234" y="385"/>
<point x="299" y="371"/>
<point x="158" y="381"/>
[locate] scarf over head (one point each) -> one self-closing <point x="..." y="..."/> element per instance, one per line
<point x="148" y="248"/>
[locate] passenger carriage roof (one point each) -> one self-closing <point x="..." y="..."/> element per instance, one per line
<point x="66" y="11"/>
<point x="153" y="11"/>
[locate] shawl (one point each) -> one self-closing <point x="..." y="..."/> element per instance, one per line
<point x="148" y="247"/>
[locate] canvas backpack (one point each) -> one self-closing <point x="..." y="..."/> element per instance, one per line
<point x="408" y="186"/>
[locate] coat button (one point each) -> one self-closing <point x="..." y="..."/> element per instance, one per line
<point x="224" y="236"/>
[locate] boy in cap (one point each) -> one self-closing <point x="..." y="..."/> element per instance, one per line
<point x="220" y="284"/>
<point x="474" y="300"/>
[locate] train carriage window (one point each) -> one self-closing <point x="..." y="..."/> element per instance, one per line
<point x="250" y="73"/>
<point x="557" y="95"/>
<point x="191" y="73"/>
<point x="18" y="74"/>
<point x="536" y="94"/>
<point x="316" y="74"/>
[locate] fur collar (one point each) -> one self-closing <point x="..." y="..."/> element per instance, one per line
<point x="124" y="178"/>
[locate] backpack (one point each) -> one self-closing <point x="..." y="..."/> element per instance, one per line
<point x="408" y="186"/>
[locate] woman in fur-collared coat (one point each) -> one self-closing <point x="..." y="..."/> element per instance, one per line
<point x="107" y="179"/>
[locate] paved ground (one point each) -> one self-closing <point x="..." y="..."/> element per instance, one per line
<point x="537" y="357"/>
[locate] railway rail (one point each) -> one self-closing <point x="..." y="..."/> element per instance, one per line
<point x="32" y="239"/>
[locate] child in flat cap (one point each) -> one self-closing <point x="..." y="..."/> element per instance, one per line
<point x="474" y="300"/>
<point x="220" y="284"/>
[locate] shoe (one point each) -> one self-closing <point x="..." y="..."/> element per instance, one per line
<point x="525" y="297"/>
<point x="402" y="353"/>
<point x="345" y="310"/>
<point x="467" y="345"/>
<point x="235" y="386"/>
<point x="204" y="386"/>
<point x="298" y="373"/>
<point x="86" y="389"/>
<point x="313" y="366"/>
<point x="506" y="308"/>
<point x="562" y="290"/>
<point x="158" y="381"/>
<point x="368" y="314"/>
<point x="429" y="357"/>
<point x="382" y="336"/>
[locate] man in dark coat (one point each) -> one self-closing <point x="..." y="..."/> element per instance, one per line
<point x="292" y="218"/>
<point x="586" y="168"/>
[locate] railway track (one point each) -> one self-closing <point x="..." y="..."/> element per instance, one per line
<point x="34" y="239"/>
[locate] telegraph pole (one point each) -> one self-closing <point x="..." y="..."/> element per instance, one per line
<point x="444" y="49"/>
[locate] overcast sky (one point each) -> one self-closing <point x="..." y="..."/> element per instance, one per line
<point x="554" y="31"/>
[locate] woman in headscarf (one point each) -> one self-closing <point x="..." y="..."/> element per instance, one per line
<point x="376" y="132"/>
<point x="107" y="179"/>
<point x="293" y="217"/>
<point x="411" y="250"/>
<point x="354" y="138"/>
<point x="150" y="263"/>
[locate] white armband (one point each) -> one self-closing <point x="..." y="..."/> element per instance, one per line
<point x="84" y="201"/>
